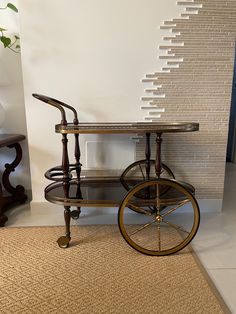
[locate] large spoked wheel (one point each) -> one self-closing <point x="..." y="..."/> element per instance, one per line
<point x="136" y="173"/>
<point x="163" y="224"/>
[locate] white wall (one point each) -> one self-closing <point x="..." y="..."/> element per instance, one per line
<point x="91" y="54"/>
<point x="12" y="99"/>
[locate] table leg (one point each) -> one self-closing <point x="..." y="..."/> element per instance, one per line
<point x="17" y="194"/>
<point x="3" y="218"/>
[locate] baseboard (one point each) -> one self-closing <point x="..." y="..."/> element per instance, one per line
<point x="205" y="205"/>
<point x="210" y="205"/>
<point x="28" y="192"/>
<point x="101" y="215"/>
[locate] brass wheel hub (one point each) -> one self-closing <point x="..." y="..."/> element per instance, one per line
<point x="158" y="218"/>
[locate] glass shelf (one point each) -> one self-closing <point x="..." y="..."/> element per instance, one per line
<point x="108" y="192"/>
<point x="127" y="128"/>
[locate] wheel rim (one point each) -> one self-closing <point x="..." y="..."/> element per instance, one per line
<point x="136" y="173"/>
<point x="159" y="226"/>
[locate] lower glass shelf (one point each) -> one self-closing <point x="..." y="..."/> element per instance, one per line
<point x="110" y="192"/>
<point x="106" y="193"/>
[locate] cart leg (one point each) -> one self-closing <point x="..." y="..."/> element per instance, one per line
<point x="67" y="220"/>
<point x="148" y="156"/>
<point x="77" y="156"/>
<point x="158" y="155"/>
<point x="63" y="241"/>
<point x="76" y="213"/>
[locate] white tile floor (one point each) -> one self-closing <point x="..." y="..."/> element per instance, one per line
<point x="215" y="243"/>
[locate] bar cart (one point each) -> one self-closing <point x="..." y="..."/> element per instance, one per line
<point x="158" y="215"/>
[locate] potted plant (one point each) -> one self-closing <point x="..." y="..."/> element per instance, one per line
<point x="11" y="43"/>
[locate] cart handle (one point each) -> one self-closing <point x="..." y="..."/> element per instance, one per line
<point x="58" y="104"/>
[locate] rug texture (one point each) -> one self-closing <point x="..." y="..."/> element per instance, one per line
<point x="98" y="273"/>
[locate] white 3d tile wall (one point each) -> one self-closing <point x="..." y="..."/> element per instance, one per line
<point x="195" y="85"/>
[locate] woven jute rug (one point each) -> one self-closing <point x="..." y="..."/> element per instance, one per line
<point x="98" y="273"/>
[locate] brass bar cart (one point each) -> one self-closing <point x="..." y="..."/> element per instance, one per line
<point x="158" y="215"/>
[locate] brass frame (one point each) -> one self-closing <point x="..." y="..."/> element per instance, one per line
<point x="63" y="180"/>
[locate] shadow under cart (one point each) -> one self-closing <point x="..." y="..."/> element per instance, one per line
<point x="157" y="214"/>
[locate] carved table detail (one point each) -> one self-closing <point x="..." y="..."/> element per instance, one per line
<point x="8" y="193"/>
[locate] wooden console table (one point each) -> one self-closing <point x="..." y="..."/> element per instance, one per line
<point x="10" y="194"/>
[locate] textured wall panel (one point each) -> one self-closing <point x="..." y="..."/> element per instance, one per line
<point x="196" y="83"/>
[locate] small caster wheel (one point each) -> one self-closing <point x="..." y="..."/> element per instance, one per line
<point x="63" y="242"/>
<point x="75" y="214"/>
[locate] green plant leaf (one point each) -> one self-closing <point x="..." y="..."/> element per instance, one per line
<point x="2" y="29"/>
<point x="6" y="41"/>
<point x="18" y="46"/>
<point x="17" y="37"/>
<point x="12" y="7"/>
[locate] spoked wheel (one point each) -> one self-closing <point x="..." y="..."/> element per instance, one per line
<point x="163" y="224"/>
<point x="136" y="173"/>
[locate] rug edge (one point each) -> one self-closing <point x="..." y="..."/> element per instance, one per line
<point x="210" y="282"/>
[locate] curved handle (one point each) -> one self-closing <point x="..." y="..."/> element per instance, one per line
<point x="58" y="104"/>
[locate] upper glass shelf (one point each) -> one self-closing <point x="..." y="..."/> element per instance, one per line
<point x="127" y="127"/>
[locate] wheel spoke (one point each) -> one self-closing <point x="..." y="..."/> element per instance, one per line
<point x="159" y="235"/>
<point x="175" y="226"/>
<point x="158" y="199"/>
<point x="153" y="209"/>
<point x="143" y="227"/>
<point x="173" y="209"/>
<point x="142" y="172"/>
<point x="139" y="209"/>
<point x="162" y="170"/>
